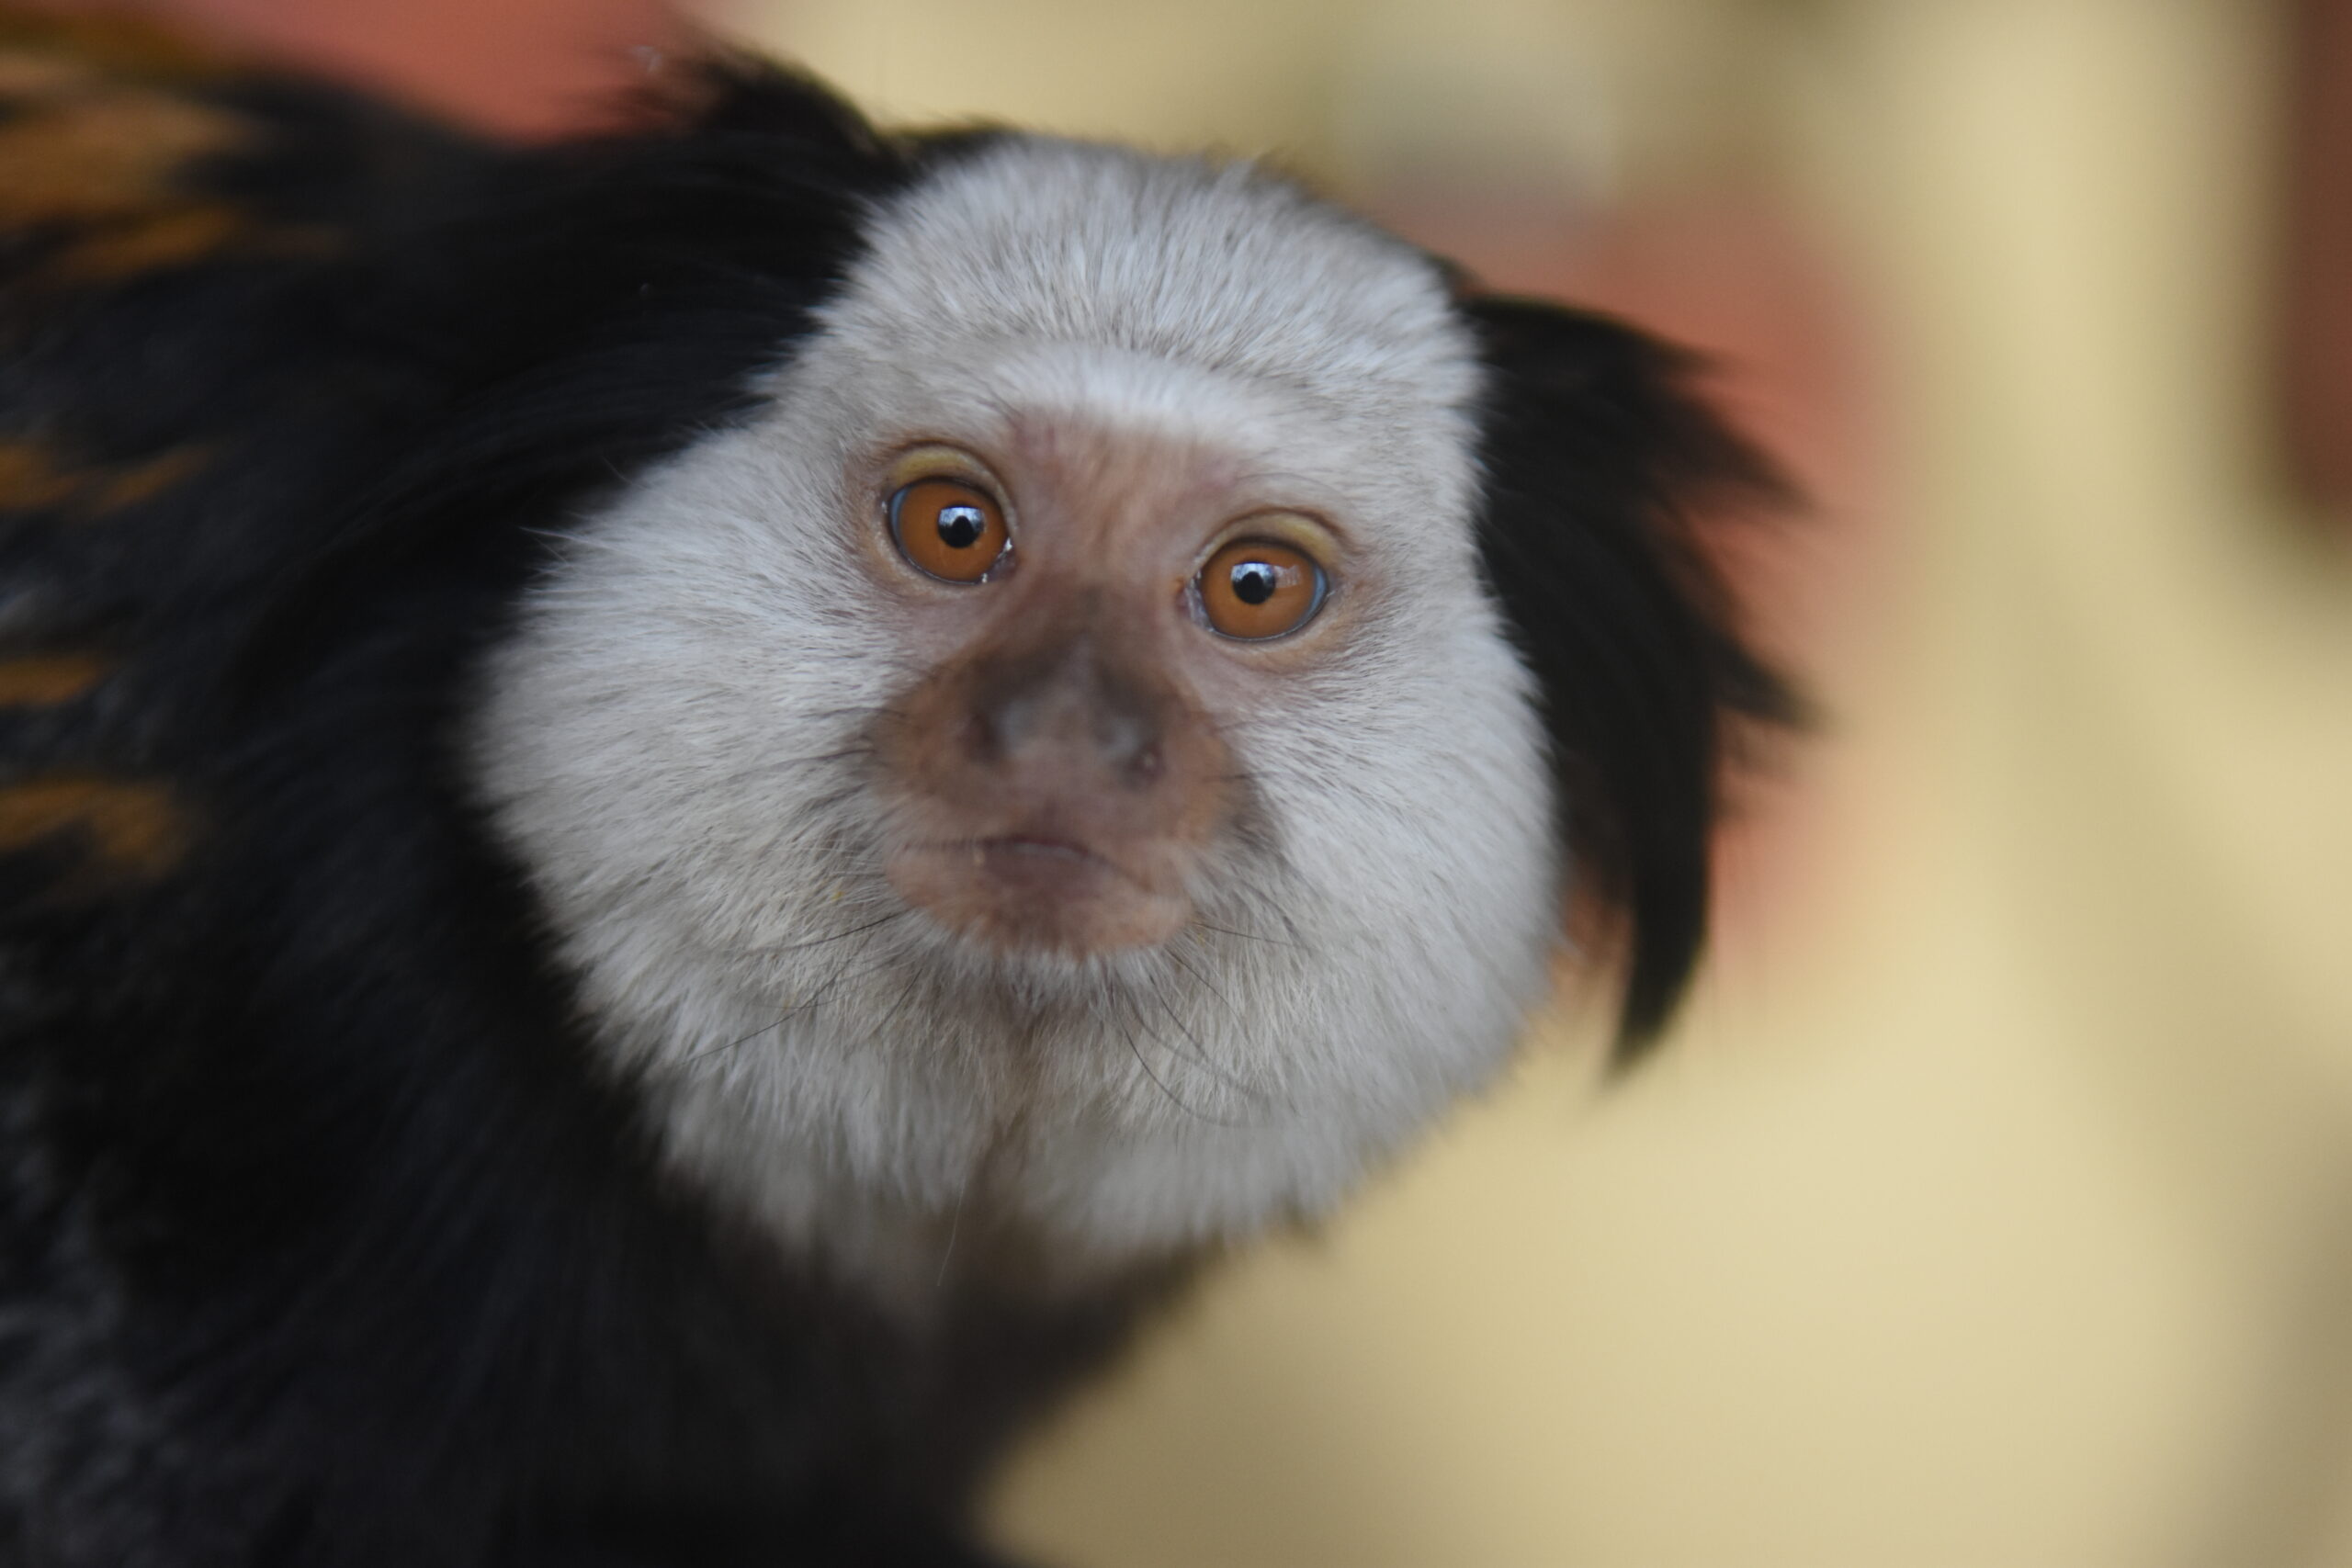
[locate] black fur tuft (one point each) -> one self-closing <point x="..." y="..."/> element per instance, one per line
<point x="1593" y="454"/>
<point x="588" y="308"/>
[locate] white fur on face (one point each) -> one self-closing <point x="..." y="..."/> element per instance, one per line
<point x="674" y="744"/>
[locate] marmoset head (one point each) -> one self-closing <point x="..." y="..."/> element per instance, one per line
<point x="1107" y="741"/>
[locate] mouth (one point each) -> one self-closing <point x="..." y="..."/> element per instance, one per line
<point x="1025" y="854"/>
<point x="1040" y="867"/>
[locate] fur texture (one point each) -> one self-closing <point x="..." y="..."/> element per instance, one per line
<point x="468" y="1097"/>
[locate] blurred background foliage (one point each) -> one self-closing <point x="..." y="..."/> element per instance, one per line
<point x="1993" y="1203"/>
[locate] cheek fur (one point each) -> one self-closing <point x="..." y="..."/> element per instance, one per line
<point x="674" y="735"/>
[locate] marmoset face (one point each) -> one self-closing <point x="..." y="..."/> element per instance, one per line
<point x="1059" y="777"/>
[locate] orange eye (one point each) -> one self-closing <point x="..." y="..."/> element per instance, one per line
<point x="948" y="529"/>
<point x="1256" y="589"/>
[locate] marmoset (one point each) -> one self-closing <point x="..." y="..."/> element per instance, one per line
<point x="681" y="813"/>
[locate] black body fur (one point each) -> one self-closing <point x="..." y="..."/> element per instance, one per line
<point x="322" y="1242"/>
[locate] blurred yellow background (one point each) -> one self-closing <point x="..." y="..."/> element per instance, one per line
<point x="1993" y="1204"/>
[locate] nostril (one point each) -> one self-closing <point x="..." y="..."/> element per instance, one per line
<point x="982" y="737"/>
<point x="1122" y="736"/>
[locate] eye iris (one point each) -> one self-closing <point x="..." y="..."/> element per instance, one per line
<point x="1255" y="589"/>
<point x="1254" y="582"/>
<point x="948" y="529"/>
<point x="960" y="526"/>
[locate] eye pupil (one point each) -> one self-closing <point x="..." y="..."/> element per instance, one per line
<point x="960" y="528"/>
<point x="1254" y="582"/>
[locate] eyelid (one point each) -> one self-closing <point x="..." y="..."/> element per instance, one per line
<point x="941" y="460"/>
<point x="1302" y="531"/>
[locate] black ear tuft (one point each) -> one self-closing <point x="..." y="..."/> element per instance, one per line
<point x="1593" y="449"/>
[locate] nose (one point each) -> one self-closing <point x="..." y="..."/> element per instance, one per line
<point x="1069" y="702"/>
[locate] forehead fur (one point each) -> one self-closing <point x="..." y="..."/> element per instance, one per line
<point x="1178" y="260"/>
